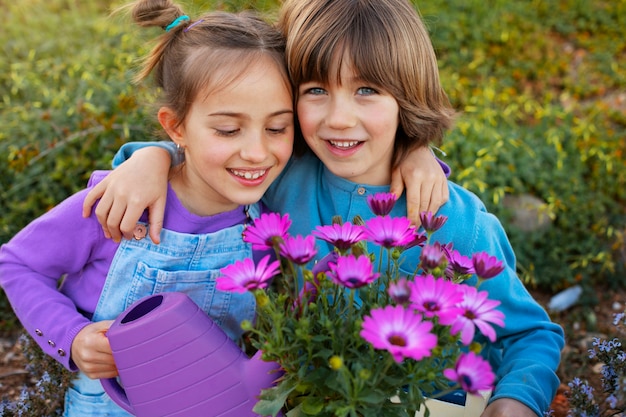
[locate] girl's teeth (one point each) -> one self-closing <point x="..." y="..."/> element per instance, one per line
<point x="248" y="174"/>
<point x="344" y="144"/>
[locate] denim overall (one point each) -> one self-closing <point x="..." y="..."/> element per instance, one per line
<point x="181" y="262"/>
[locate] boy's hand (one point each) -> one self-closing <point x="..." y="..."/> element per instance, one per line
<point x="426" y="183"/>
<point x="507" y="407"/>
<point x="138" y="184"/>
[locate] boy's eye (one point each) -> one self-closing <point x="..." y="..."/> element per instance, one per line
<point x="366" y="91"/>
<point x="277" y="131"/>
<point x="316" y="91"/>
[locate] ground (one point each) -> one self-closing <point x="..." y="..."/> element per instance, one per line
<point x="580" y="325"/>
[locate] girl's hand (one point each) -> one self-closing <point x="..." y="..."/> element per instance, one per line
<point x="507" y="407"/>
<point x="91" y="351"/>
<point x="425" y="181"/>
<point x="138" y="184"/>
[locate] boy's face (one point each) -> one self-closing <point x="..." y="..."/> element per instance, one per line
<point x="237" y="140"/>
<point x="351" y="126"/>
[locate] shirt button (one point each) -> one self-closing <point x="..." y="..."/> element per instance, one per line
<point x="61" y="352"/>
<point x="51" y="343"/>
<point x="38" y="332"/>
<point x="361" y="190"/>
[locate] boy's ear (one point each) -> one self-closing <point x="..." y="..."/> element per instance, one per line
<point x="169" y="122"/>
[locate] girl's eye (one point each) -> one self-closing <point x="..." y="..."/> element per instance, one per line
<point x="277" y="131"/>
<point x="227" y="133"/>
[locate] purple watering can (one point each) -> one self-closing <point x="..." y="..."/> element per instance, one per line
<point x="173" y="360"/>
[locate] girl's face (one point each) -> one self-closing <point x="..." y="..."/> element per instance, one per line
<point x="237" y="140"/>
<point x="351" y="126"/>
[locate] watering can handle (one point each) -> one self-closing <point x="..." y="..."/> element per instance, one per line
<point x="113" y="388"/>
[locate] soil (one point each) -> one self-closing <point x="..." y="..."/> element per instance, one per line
<point x="581" y="324"/>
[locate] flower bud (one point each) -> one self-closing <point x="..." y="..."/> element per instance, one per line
<point x="335" y="362"/>
<point x="262" y="300"/>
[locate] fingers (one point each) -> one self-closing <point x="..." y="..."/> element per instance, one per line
<point x="91" y="351"/>
<point x="92" y="196"/>
<point x="397" y="183"/>
<point x="156" y="219"/>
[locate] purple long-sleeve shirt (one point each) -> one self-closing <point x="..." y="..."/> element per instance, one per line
<point x="61" y="243"/>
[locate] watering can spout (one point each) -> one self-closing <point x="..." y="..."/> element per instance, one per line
<point x="173" y="360"/>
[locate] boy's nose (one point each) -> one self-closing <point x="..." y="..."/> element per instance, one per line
<point x="340" y="114"/>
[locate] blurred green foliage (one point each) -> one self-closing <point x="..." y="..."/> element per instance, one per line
<point x="539" y="86"/>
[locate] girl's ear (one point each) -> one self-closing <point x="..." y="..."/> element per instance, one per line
<point x="170" y="123"/>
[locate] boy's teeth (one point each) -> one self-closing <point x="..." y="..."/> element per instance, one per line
<point x="249" y="175"/>
<point x="344" y="143"/>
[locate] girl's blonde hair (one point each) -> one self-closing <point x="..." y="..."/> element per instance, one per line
<point x="205" y="54"/>
<point x="387" y="44"/>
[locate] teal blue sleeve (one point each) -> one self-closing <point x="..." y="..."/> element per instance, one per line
<point x="129" y="148"/>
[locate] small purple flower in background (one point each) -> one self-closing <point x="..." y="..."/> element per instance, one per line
<point x="297" y="249"/>
<point x="472" y="373"/>
<point x="486" y="266"/>
<point x="353" y="272"/>
<point x="400" y="331"/>
<point x="458" y="264"/>
<point x="381" y="204"/>
<point x="243" y="276"/>
<point x="389" y="231"/>
<point x="432" y="256"/>
<point x="399" y="291"/>
<point x="323" y="265"/>
<point x="341" y="236"/>
<point x="432" y="223"/>
<point x="266" y="229"/>
<point x="436" y="297"/>
<point x="478" y="311"/>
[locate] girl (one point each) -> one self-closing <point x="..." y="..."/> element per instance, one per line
<point x="367" y="92"/>
<point x="227" y="105"/>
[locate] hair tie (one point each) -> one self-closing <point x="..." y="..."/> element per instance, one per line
<point x="192" y="25"/>
<point x="176" y="22"/>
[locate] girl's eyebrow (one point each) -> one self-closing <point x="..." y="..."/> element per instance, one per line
<point x="235" y="114"/>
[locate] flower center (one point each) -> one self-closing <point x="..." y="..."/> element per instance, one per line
<point x="430" y="305"/>
<point x="470" y="315"/>
<point x="397" y="340"/>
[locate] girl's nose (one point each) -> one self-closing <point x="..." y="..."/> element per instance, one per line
<point x="255" y="148"/>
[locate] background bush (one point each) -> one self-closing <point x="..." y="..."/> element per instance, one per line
<point x="540" y="87"/>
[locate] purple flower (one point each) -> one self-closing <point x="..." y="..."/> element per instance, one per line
<point x="472" y="373"/>
<point x="381" y="204"/>
<point x="353" y="272"/>
<point x="477" y="311"/>
<point x="430" y="222"/>
<point x="297" y="249"/>
<point x="459" y="264"/>
<point x="242" y="276"/>
<point x="486" y="266"/>
<point x="400" y="331"/>
<point x="436" y="297"/>
<point x="341" y="236"/>
<point x="419" y="238"/>
<point x="266" y="230"/>
<point x="399" y="291"/>
<point x="432" y="256"/>
<point x="390" y="231"/>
